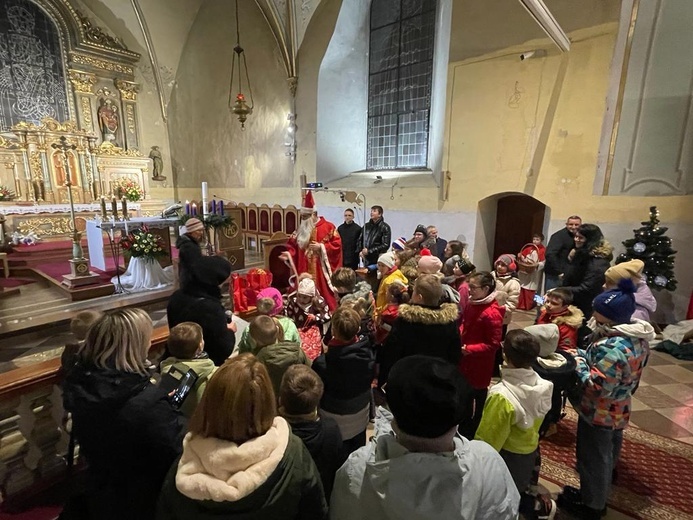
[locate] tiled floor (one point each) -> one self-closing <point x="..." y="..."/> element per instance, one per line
<point x="663" y="404"/>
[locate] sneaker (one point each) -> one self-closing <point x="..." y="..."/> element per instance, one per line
<point x="544" y="508"/>
<point x="571" y="501"/>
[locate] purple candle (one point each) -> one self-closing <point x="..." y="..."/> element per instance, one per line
<point x="214" y="207"/>
<point x="221" y="207"/>
<point x="187" y="207"/>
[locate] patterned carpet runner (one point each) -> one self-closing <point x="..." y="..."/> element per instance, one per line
<point x="655" y="474"/>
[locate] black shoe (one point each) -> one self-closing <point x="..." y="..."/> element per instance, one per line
<point x="571" y="501"/>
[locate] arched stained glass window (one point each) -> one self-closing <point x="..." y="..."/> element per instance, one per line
<point x="32" y="79"/>
<point x="402" y="37"/>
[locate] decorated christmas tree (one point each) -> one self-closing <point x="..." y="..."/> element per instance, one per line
<point x="654" y="249"/>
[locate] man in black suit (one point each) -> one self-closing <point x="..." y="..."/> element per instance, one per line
<point x="440" y="243"/>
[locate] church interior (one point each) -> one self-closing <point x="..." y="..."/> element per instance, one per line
<point x="499" y="119"/>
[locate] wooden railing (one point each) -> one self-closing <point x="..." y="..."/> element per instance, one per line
<point x="33" y="438"/>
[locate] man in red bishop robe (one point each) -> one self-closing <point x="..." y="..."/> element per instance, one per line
<point x="315" y="248"/>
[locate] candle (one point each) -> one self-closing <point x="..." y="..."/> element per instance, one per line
<point x="124" y="205"/>
<point x="103" y="208"/>
<point x="221" y="207"/>
<point x="114" y="207"/>
<point x="204" y="191"/>
<point x="194" y="209"/>
<point x="187" y="207"/>
<point x="214" y="207"/>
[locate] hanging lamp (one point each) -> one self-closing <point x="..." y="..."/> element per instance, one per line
<point x="237" y="102"/>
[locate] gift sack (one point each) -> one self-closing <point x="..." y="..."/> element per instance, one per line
<point x="239" y="286"/>
<point x="256" y="281"/>
<point x="311" y="340"/>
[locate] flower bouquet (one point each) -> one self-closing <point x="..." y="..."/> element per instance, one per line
<point x="5" y="193"/>
<point x="130" y="190"/>
<point x="141" y="243"/>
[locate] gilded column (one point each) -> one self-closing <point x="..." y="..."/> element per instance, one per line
<point x="83" y="85"/>
<point x="128" y="95"/>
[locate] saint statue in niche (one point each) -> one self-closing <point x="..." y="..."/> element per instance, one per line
<point x="108" y="120"/>
<point x="158" y="163"/>
<point x="61" y="170"/>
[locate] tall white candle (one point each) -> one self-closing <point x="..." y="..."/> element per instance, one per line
<point x="204" y="190"/>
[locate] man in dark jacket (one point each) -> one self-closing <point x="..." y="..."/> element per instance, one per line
<point x="438" y="243"/>
<point x="557" y="250"/>
<point x="349" y="231"/>
<point x="200" y="302"/>
<point x="375" y="237"/>
<point x="188" y="245"/>
<point x="422" y="328"/>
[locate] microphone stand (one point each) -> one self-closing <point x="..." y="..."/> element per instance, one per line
<point x="115" y="253"/>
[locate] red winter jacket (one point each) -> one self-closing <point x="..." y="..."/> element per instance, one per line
<point x="481" y="331"/>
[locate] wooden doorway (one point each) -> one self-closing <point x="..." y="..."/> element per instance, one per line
<point x="518" y="217"/>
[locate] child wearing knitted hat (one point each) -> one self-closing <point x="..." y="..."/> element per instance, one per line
<point x="645" y="303"/>
<point x="310" y="312"/>
<point x="388" y="272"/>
<point x="608" y="371"/>
<point x="507" y="286"/>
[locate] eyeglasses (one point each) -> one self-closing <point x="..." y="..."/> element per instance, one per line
<point x="472" y="286"/>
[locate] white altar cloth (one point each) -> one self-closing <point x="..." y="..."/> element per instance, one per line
<point x="60" y="208"/>
<point x="144" y="274"/>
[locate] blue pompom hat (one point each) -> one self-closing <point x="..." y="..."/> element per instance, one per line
<point x="617" y="305"/>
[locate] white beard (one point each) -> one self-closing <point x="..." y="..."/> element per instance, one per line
<point x="305" y="232"/>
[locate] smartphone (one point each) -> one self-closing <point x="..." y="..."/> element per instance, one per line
<point x="187" y="382"/>
<point x="538" y="299"/>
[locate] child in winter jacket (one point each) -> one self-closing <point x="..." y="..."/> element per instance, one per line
<point x="347" y="369"/>
<point x="534" y="253"/>
<point x="608" y="370"/>
<point x="645" y="303"/>
<point x="275" y="353"/>
<point x="482" y="324"/>
<point x="186" y="346"/>
<point x="396" y="295"/>
<point x="269" y="303"/>
<point x="507" y="286"/>
<point x="388" y="272"/>
<point x="558" y="309"/>
<point x="513" y="412"/>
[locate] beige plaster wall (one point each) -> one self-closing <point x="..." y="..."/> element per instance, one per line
<point x="206" y="138"/>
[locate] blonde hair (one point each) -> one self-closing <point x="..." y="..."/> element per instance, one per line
<point x="184" y="339"/>
<point x="266" y="331"/>
<point x="238" y="403"/>
<point x="119" y="340"/>
<point x="430" y="289"/>
<point x="79" y="325"/>
<point x="265" y="306"/>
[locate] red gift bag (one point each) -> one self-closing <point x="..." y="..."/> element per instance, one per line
<point x="239" y="285"/>
<point x="257" y="280"/>
<point x="311" y="339"/>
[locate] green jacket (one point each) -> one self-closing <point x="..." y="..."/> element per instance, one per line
<point x="280" y="356"/>
<point x="247" y="343"/>
<point x="204" y="368"/>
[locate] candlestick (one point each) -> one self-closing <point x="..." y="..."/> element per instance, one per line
<point x="103" y="207"/>
<point x="194" y="209"/>
<point x="114" y="207"/>
<point x="124" y="206"/>
<point x="187" y="207"/>
<point x="126" y="228"/>
<point x="221" y="208"/>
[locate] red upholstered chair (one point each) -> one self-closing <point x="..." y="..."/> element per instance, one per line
<point x="251" y="236"/>
<point x="252" y="217"/>
<point x="280" y="271"/>
<point x="264" y="219"/>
